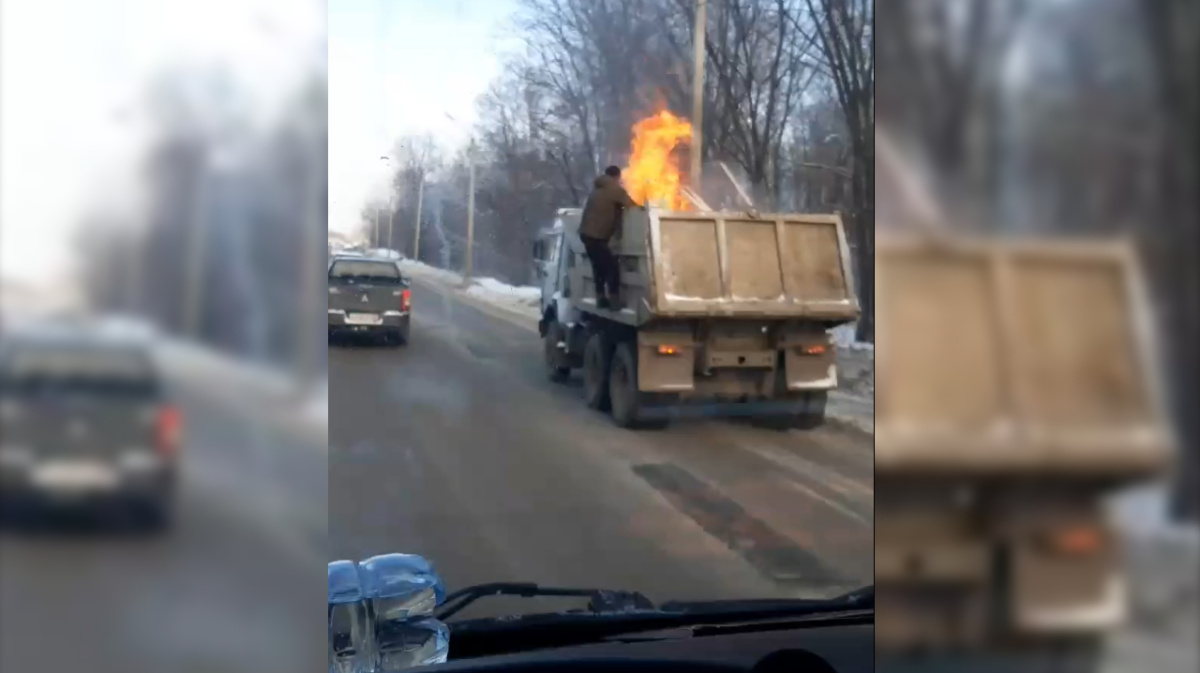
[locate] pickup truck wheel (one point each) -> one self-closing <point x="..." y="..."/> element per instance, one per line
<point x="597" y="356"/>
<point x="554" y="356"/>
<point x="627" y="401"/>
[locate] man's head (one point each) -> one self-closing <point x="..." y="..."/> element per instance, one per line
<point x="613" y="172"/>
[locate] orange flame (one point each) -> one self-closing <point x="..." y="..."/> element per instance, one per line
<point x="652" y="177"/>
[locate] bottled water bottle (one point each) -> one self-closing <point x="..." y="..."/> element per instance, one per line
<point x="381" y="615"/>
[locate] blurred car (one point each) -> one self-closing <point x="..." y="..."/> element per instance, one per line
<point x="86" y="423"/>
<point x="370" y="297"/>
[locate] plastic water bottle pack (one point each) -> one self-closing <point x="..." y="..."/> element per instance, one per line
<point x="381" y="615"/>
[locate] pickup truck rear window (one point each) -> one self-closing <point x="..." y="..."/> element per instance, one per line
<point x="356" y="268"/>
<point x="35" y="368"/>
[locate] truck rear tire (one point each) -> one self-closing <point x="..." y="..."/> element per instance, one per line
<point x="597" y="359"/>
<point x="555" y="357"/>
<point x="627" y="401"/>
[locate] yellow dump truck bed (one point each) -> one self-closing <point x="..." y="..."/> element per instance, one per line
<point x="1015" y="357"/>
<point x="729" y="264"/>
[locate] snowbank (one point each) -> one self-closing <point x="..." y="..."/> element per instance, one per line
<point x="423" y="270"/>
<point x="521" y="299"/>
<point x="524" y="299"/>
<point x="1142" y="514"/>
<point x="843" y="336"/>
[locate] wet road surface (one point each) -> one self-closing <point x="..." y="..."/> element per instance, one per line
<point x="457" y="447"/>
<point x="236" y="586"/>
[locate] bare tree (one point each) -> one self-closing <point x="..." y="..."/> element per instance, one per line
<point x="943" y="62"/>
<point x="844" y="35"/>
<point x="1173" y="35"/>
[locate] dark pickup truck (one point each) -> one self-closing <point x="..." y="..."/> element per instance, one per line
<point x="87" y="423"/>
<point x="368" y="297"/>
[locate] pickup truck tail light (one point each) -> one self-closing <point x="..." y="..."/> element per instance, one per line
<point x="168" y="431"/>
<point x="405" y="300"/>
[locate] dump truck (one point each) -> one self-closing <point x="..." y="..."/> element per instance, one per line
<point x="723" y="313"/>
<point x="1017" y="387"/>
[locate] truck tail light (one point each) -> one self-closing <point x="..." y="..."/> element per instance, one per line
<point x="405" y="300"/>
<point x="814" y="349"/>
<point x="168" y="431"/>
<point x="668" y="350"/>
<point x="1076" y="541"/>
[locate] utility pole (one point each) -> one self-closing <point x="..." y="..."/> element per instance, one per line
<point x="375" y="229"/>
<point x="391" y="218"/>
<point x="417" y="226"/>
<point x="698" y="92"/>
<point x="470" y="213"/>
<point x="387" y="162"/>
<point x="193" y="292"/>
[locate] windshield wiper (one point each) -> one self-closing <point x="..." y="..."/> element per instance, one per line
<point x="606" y="605"/>
<point x="527" y="632"/>
<point x="859" y="599"/>
<point x="600" y="600"/>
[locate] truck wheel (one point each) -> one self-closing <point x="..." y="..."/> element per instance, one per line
<point x="597" y="356"/>
<point x="554" y="356"/>
<point x="627" y="400"/>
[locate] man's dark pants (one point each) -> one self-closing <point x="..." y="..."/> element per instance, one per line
<point x="605" y="271"/>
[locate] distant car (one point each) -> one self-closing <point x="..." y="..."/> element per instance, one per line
<point x="86" y="423"/>
<point x="369" y="296"/>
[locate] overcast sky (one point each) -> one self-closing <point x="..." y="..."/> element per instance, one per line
<point x="70" y="72"/>
<point x="398" y="67"/>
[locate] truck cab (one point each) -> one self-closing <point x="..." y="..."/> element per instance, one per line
<point x="550" y="270"/>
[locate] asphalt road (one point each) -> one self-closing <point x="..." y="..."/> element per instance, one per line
<point x="456" y="447"/>
<point x="237" y="586"/>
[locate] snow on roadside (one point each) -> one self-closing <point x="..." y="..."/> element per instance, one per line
<point x="520" y="299"/>
<point x="423" y="270"/>
<point x="844" y="337"/>
<point x="1143" y="514"/>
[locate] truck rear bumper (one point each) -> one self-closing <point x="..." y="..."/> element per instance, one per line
<point x="799" y="406"/>
<point x="388" y="321"/>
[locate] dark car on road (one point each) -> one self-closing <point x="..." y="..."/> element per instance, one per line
<point x="370" y="297"/>
<point x="86" y="423"/>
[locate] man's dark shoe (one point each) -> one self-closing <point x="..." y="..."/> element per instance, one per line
<point x="615" y="304"/>
<point x="602" y="302"/>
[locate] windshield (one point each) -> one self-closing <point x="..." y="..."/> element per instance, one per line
<point x="697" y="459"/>
<point x="30" y="369"/>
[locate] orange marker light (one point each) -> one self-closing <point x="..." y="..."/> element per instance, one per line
<point x="1081" y="540"/>
<point x="817" y="349"/>
<point x="668" y="350"/>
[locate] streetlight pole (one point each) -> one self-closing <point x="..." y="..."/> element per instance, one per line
<point x="375" y="230"/>
<point x="698" y="92"/>
<point x="417" y="225"/>
<point x="391" y="207"/>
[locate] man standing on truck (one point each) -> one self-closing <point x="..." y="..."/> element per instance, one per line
<point x="601" y="221"/>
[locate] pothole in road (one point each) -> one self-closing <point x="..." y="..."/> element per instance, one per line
<point x="772" y="553"/>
